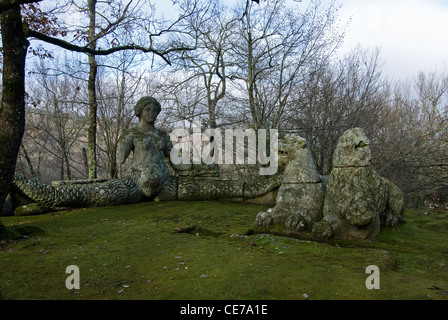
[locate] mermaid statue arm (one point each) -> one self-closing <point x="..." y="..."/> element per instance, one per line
<point x="125" y="147"/>
<point x="167" y="153"/>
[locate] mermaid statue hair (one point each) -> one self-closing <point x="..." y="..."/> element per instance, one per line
<point x="144" y="102"/>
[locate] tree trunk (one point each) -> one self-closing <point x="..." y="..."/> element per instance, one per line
<point x="12" y="109"/>
<point x="85" y="161"/>
<point x="93" y="104"/>
<point x="251" y="82"/>
<point x="28" y="162"/>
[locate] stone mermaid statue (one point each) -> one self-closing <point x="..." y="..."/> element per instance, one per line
<point x="147" y="176"/>
<point x="150" y="147"/>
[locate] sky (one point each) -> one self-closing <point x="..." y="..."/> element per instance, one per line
<point x="412" y="35"/>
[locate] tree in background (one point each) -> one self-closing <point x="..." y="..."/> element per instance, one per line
<point x="266" y="65"/>
<point x="275" y="46"/>
<point x="55" y="124"/>
<point x="15" y="45"/>
<point x="412" y="141"/>
<point x="12" y="108"/>
<point x="206" y="67"/>
<point x="347" y="93"/>
<point x="119" y="86"/>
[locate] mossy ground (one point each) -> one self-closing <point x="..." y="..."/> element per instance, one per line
<point x="200" y="250"/>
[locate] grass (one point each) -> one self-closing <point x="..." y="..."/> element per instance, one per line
<point x="202" y="250"/>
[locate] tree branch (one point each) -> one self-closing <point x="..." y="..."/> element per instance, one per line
<point x="9" y="4"/>
<point x="72" y="47"/>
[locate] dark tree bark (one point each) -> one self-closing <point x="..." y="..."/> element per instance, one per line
<point x="12" y="109"/>
<point x="93" y="103"/>
<point x="9" y="4"/>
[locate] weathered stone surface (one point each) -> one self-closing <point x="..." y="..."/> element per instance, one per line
<point x="169" y="192"/>
<point x="261" y="185"/>
<point x="299" y="164"/>
<point x="394" y="213"/>
<point x="196" y="170"/>
<point x="301" y="194"/>
<point x="357" y="201"/>
<point x="148" y="169"/>
<point x="208" y="188"/>
<point x="268" y="199"/>
<point x="355" y="198"/>
<point x="30" y="209"/>
<point x="79" y="193"/>
<point x="352" y="150"/>
<point x="303" y="197"/>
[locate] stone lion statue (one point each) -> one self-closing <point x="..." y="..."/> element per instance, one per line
<point x="358" y="201"/>
<point x="301" y="194"/>
<point x="355" y="202"/>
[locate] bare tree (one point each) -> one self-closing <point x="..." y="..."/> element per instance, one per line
<point x="15" y="44"/>
<point x="12" y="109"/>
<point x="118" y="89"/>
<point x="339" y="96"/>
<point x="207" y="65"/>
<point x="274" y="45"/>
<point x="413" y="140"/>
<point x="55" y="124"/>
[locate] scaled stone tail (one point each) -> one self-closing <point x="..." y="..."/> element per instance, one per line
<point x="79" y="193"/>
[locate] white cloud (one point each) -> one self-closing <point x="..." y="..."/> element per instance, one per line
<point x="412" y="34"/>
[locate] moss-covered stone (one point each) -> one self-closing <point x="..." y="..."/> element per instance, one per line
<point x="17" y="232"/>
<point x="6" y="233"/>
<point x="208" y="188"/>
<point x="358" y="201"/>
<point x="301" y="194"/>
<point x="30" y="209"/>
